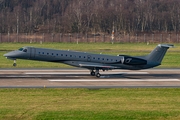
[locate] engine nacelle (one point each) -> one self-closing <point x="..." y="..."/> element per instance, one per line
<point x="133" y="61"/>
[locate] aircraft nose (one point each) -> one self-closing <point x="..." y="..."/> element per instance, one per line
<point x="15" y="54"/>
<point x="8" y="55"/>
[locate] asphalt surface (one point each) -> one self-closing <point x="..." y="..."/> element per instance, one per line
<point x="81" y="78"/>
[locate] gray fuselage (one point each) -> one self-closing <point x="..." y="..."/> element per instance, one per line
<point x="81" y="59"/>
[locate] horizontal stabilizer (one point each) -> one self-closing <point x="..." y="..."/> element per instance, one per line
<point x="166" y="45"/>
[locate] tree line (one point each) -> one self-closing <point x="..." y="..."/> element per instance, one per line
<point x="89" y="16"/>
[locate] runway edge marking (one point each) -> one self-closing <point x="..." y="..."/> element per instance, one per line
<point x="114" y="80"/>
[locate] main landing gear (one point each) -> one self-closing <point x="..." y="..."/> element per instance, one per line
<point x="14" y="64"/>
<point x="96" y="73"/>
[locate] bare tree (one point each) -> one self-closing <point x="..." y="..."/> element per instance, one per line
<point x="89" y="16"/>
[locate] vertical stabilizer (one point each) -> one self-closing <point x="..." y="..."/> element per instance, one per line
<point x="158" y="53"/>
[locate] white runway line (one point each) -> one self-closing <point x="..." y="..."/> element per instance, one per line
<point x="113" y="80"/>
<point x="52" y="73"/>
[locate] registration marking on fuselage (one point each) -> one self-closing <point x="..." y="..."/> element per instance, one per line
<point x="114" y="80"/>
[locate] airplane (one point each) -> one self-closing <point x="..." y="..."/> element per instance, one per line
<point x="91" y="61"/>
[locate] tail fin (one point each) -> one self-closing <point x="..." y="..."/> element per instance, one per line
<point x="158" y="53"/>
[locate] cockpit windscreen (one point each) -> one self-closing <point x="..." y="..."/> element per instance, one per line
<point x="23" y="49"/>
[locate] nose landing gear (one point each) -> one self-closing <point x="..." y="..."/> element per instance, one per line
<point x="14" y="64"/>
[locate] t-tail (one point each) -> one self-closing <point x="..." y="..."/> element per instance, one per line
<point x="157" y="55"/>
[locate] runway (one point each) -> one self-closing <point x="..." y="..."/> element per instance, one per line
<point x="81" y="78"/>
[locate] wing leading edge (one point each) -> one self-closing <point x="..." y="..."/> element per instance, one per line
<point x="91" y="65"/>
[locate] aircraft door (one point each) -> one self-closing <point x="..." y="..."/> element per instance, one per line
<point x="88" y="58"/>
<point x="32" y="52"/>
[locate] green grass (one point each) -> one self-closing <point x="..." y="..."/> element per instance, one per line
<point x="171" y="59"/>
<point x="88" y="104"/>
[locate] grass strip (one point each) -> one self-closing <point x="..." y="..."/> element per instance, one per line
<point x="135" y="103"/>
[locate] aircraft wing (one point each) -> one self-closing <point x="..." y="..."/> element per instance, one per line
<point x="99" y="66"/>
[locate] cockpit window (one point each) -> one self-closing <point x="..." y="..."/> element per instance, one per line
<point x="20" y="49"/>
<point x="23" y="49"/>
